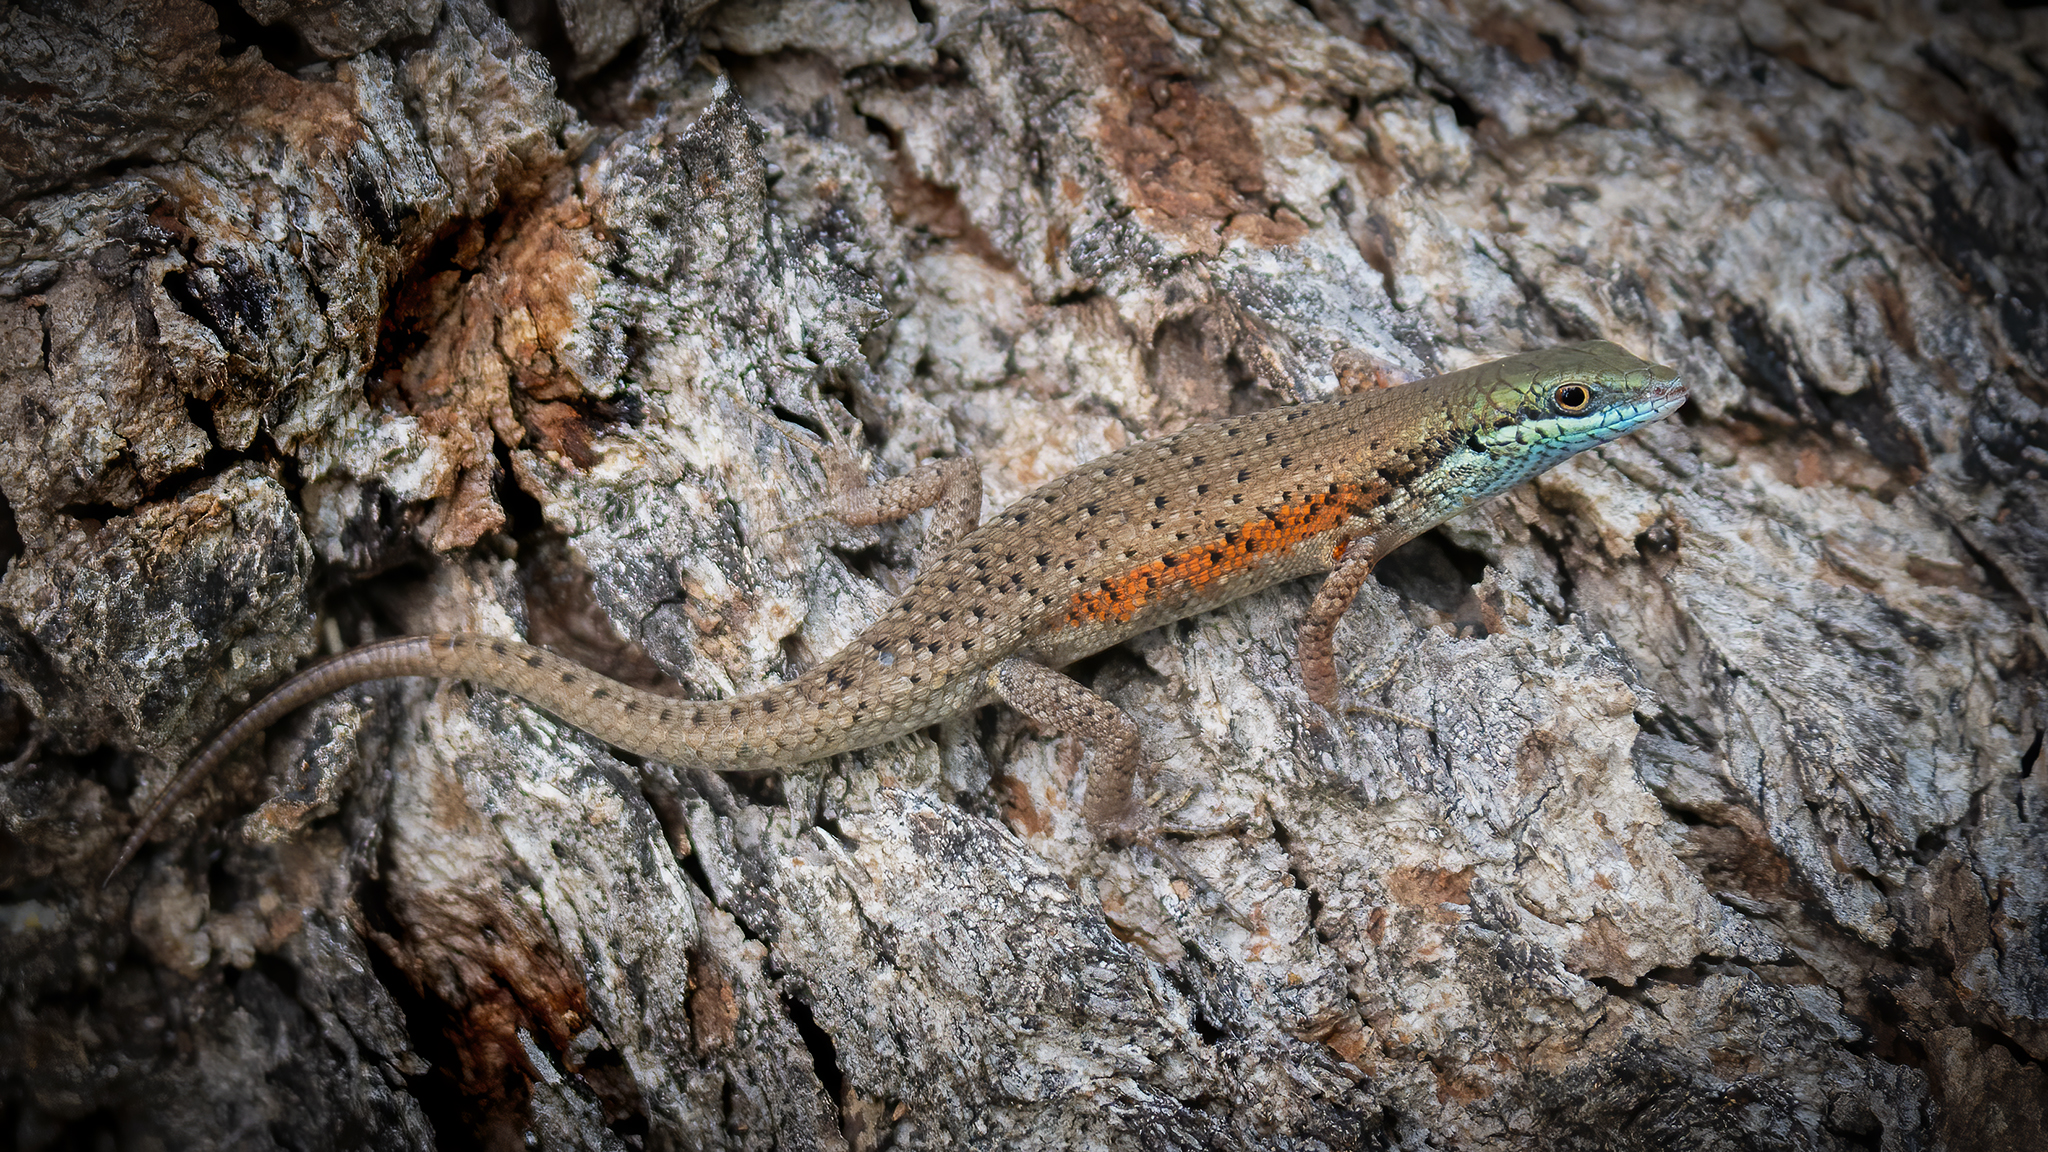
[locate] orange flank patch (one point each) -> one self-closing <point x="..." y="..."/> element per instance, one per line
<point x="1121" y="598"/>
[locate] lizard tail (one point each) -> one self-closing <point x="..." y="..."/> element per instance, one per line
<point x="616" y="713"/>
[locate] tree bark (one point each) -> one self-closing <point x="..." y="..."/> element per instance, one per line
<point x="320" y="323"/>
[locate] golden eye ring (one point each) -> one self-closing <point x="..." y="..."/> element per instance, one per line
<point x="1572" y="399"/>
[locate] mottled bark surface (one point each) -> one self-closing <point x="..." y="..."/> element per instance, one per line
<point x="329" y="321"/>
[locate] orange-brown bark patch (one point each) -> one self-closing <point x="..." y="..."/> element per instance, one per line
<point x="936" y="209"/>
<point x="1463" y="1085"/>
<point x="1191" y="162"/>
<point x="714" y="1010"/>
<point x="1604" y="950"/>
<point x="1026" y="817"/>
<point x="1428" y="889"/>
<point x="1898" y="319"/>
<point x="476" y="338"/>
<point x="1522" y="39"/>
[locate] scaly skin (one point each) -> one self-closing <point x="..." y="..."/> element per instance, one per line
<point x="1160" y="530"/>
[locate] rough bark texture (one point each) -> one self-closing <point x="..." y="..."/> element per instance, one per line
<point x="327" y="321"/>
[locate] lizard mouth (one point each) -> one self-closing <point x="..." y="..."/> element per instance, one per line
<point x="1667" y="390"/>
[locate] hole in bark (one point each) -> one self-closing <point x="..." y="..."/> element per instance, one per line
<point x="692" y="865"/>
<point x="377" y="537"/>
<point x="604" y="95"/>
<point x="803" y="420"/>
<point x="430" y="288"/>
<point x="2028" y="759"/>
<point x="872" y="563"/>
<point x="224" y="889"/>
<point x="1891" y="1027"/>
<point x="824" y="1055"/>
<point x="1686" y="976"/>
<point x="1657" y="540"/>
<point x="280" y="972"/>
<point x="525" y="522"/>
<point x="1618" y="990"/>
<point x="1434" y="571"/>
<point x="1685" y="816"/>
<point x="279" y="43"/>
<point x="100" y="513"/>
<point x="36" y="1128"/>
<point x="763" y="788"/>
<point x="538" y="24"/>
<point x="1077" y="297"/>
<point x="605" y="1072"/>
<point x="10" y="535"/>
<point x="1315" y="900"/>
<point x="1088" y="668"/>
<point x="1928" y="846"/>
<point x="1212" y="1031"/>
<point x="1464" y="113"/>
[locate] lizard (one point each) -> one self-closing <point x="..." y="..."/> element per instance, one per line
<point x="1157" y="531"/>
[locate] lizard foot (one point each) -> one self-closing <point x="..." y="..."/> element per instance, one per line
<point x="1377" y="712"/>
<point x="1150" y="840"/>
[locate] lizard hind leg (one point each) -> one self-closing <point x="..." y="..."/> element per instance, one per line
<point x="1313" y="649"/>
<point x="1057" y="702"/>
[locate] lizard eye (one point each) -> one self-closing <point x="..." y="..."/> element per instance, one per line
<point x="1572" y="399"/>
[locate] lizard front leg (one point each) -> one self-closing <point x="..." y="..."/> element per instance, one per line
<point x="1313" y="648"/>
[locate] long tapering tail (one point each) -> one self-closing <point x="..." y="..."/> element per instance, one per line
<point x="619" y="714"/>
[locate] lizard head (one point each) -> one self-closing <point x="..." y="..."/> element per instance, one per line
<point x="1536" y="409"/>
